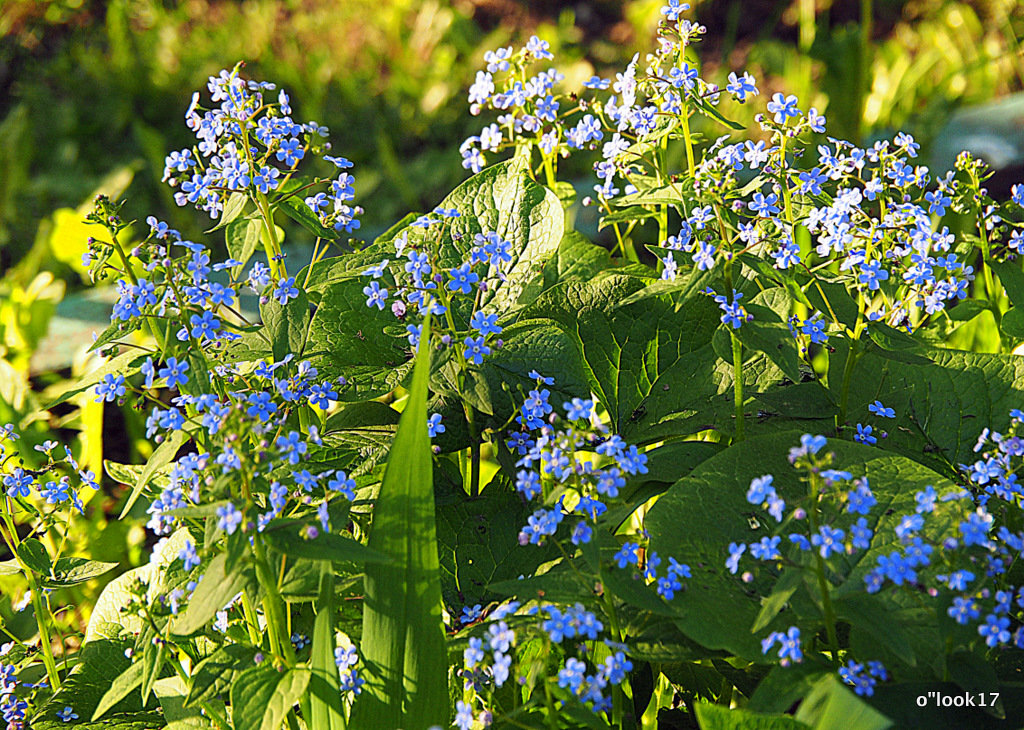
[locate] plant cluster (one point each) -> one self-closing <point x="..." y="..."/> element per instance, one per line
<point x="482" y="472"/>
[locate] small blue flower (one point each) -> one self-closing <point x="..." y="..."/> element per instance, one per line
<point x="110" y="389"/>
<point x="286" y="290"/>
<point x="880" y="410"/>
<point x="434" y="425"/>
<point x="863" y="434"/>
<point x="476" y="349"/>
<point x="67" y="714"/>
<point x="174" y="371"/>
<point x="462" y="279"/>
<point x="229" y="518"/>
<point x="375" y="295"/>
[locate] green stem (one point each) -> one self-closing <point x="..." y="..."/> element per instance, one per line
<point x="36" y="597"/>
<point x="44" y="632"/>
<point x="737" y="370"/>
<point x="851" y="361"/>
<point x="251" y="622"/>
<point x="270" y="242"/>
<point x="691" y="167"/>
<point x="618" y="698"/>
<point x="273" y="608"/>
<point x="828" y="610"/>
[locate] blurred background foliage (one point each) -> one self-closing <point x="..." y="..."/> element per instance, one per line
<point x="92" y="97"/>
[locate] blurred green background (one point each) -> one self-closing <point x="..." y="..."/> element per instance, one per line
<point x="92" y="97"/>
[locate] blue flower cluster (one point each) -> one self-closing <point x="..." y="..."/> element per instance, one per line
<point x="574" y="465"/>
<point x="421" y="285"/>
<point x="249" y="143"/>
<point x="873" y="211"/>
<point x="57" y="484"/>
<point x="964" y="565"/>
<point x="590" y="667"/>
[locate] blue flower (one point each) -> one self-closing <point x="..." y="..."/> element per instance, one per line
<point x="174" y="371"/>
<point x="764" y="205"/>
<point x="964" y="610"/>
<point x="740" y="86"/>
<point x="736" y="549"/>
<point x="375" y="295"/>
<point x="67" y="714"/>
<point x="783" y="107"/>
<point x="995" y="630"/>
<point x="828" y="540"/>
<point x="760" y="490"/>
<point x="880" y="410"/>
<point x="476" y="349"/>
<point x="286" y="290"/>
<point x="110" y="389"/>
<point x="485" y="324"/>
<point x="434" y="425"/>
<point x="462" y="279"/>
<point x="229" y="518"/>
<point x="578" y="409"/>
<point x="863" y="434"/>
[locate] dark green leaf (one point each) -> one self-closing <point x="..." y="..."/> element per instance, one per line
<point x="215" y="674"/>
<point x="130" y="679"/>
<point x="295" y="208"/>
<point x="705" y="511"/>
<point x="33" y="554"/>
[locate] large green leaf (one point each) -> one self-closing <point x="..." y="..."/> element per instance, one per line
<point x="941" y="406"/>
<point x="697" y="518"/>
<point x="478" y="542"/>
<point x="215" y="590"/>
<point x="403" y="642"/>
<point x="72" y="571"/>
<point x="347" y="338"/>
<point x="831" y="705"/>
<point x="286" y="324"/>
<point x="106" y="619"/>
<point x="646" y="360"/>
<point x="262" y="696"/>
<point x="215" y="674"/>
<point x="367" y="345"/>
<point x="716" y="717"/>
<point x="499" y="385"/>
<point x="101" y="663"/>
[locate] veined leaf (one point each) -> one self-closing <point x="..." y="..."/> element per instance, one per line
<point x="262" y="696"/>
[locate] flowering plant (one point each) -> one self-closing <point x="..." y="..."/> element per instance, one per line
<point x="482" y="471"/>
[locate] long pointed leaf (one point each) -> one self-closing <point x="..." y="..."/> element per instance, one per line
<point x="325" y="703"/>
<point x="403" y="637"/>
